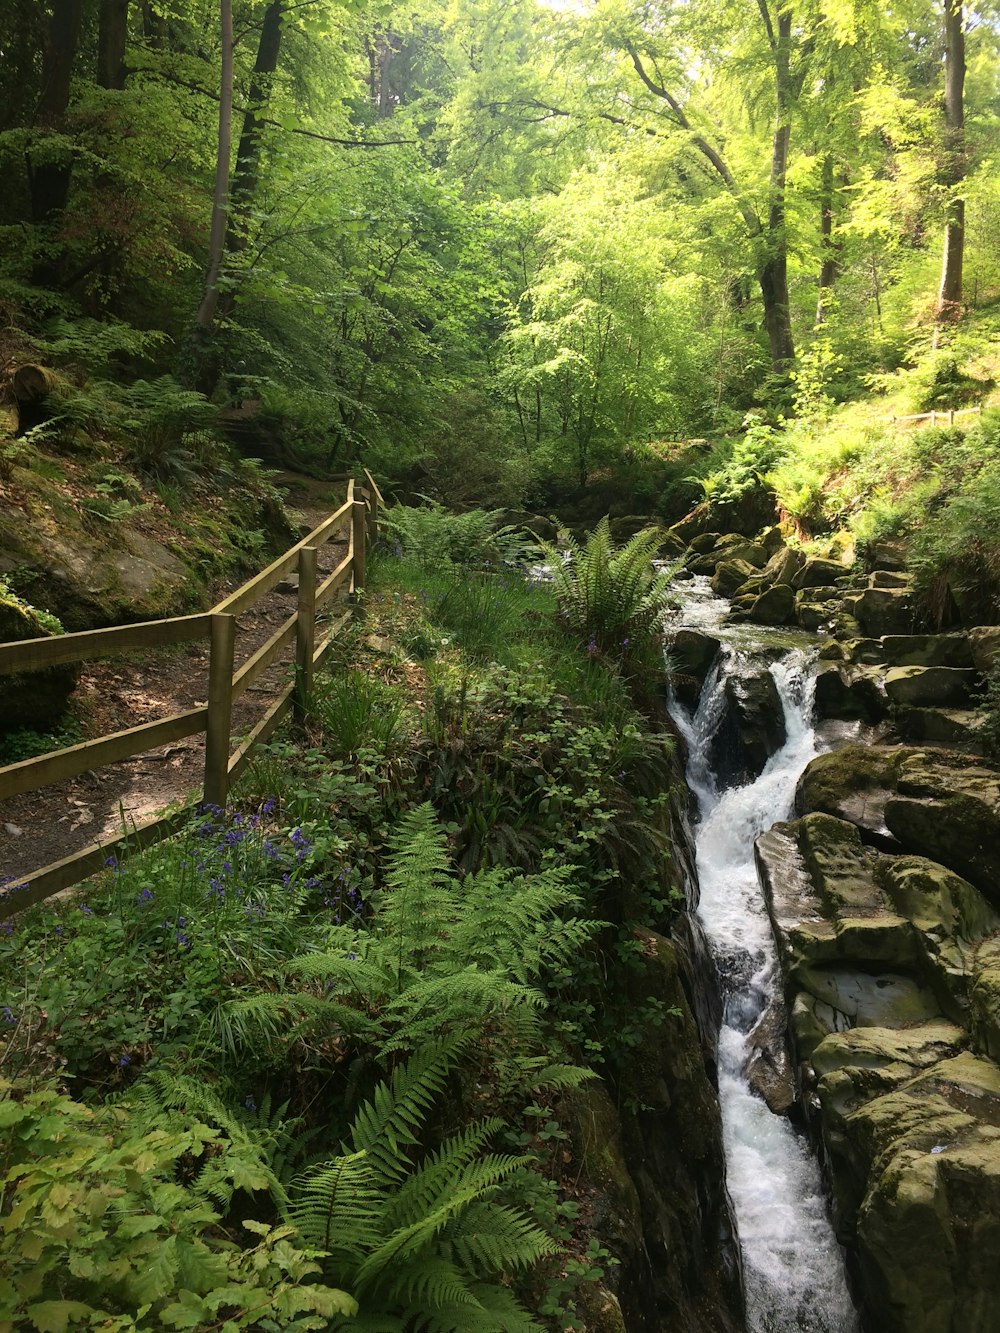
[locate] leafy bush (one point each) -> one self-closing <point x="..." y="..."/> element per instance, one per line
<point x="433" y="536"/>
<point x="956" y="553"/>
<point x="752" y="458"/>
<point x="98" y="1233"/>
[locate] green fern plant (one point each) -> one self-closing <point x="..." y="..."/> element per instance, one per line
<point x="611" y="599"/>
<point x="424" y="1239"/>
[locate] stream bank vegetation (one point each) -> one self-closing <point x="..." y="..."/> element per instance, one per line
<point x="312" y="1064"/>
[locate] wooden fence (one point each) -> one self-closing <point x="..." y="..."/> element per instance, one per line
<point x="946" y="418"/>
<point x="357" y="518"/>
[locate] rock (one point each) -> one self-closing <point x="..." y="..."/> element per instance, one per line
<point x="729" y="575"/>
<point x="693" y="653"/>
<point x="759" y="718"/>
<point x="889" y="578"/>
<point x="772" y="540"/>
<point x="923" y="687"/>
<point x="816" y="573"/>
<point x="672" y="1144"/>
<point x="882" y="611"/>
<point x="703" y="542"/>
<point x="848" y="693"/>
<point x="769" y="1069"/>
<point x="852" y="783"/>
<point x="927" y="650"/>
<point x="958" y="727"/>
<point x="32" y="699"/>
<point x="735" y="547"/>
<point x="783" y="566"/>
<point x="812" y="616"/>
<point x="984" y="644"/>
<point x="929" y="1224"/>
<point x="776" y="606"/>
<point x="627" y="525"/>
<point x="887" y="556"/>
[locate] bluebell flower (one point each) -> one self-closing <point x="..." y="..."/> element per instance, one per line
<point x="124" y="1059"/>
<point x="268" y="807"/>
<point x="86" y="910"/>
<point x="9" y="1015"/>
<point x="145" y="895"/>
<point x="250" y="1104"/>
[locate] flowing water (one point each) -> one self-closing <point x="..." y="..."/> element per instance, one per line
<point x="793" y="1266"/>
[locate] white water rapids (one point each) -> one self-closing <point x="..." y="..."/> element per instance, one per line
<point x="793" y="1266"/>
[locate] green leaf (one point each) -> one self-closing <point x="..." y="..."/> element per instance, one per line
<point x="55" y="1316"/>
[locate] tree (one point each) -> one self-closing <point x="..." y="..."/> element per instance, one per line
<point x="949" y="303"/>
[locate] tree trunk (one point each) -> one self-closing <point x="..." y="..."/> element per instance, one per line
<point x="829" y="249"/>
<point x="773" y="273"/>
<point x="220" y="198"/>
<point x="246" y="173"/>
<point x="111" y="40"/>
<point x="949" y="304"/>
<point x="49" y="181"/>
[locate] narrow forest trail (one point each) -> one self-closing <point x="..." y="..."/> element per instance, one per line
<point x="43" y="826"/>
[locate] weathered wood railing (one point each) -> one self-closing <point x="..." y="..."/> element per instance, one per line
<point x="357" y="518"/>
<point x="936" y="418"/>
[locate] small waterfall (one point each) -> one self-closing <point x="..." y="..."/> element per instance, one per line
<point x="793" y="1266"/>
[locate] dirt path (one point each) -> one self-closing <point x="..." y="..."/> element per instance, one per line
<point x="44" y="826"/>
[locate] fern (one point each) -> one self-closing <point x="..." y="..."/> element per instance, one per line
<point x="612" y="599"/>
<point x="418" y="1237"/>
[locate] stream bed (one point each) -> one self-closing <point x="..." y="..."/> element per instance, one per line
<point x="793" y="1266"/>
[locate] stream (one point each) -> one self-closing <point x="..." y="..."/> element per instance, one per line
<point x="793" y="1267"/>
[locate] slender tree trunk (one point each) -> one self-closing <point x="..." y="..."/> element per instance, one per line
<point x="949" y="304"/>
<point x="773" y="273"/>
<point x="49" y="181"/>
<point x="220" y="199"/>
<point x="111" y="40"/>
<point x="829" y="249"/>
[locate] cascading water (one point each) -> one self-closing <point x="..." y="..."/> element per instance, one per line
<point x="793" y="1267"/>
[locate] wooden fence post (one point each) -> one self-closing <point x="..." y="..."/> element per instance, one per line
<point x="220" y="710"/>
<point x="951" y="417"/>
<point x="305" y="632"/>
<point x="358" y="536"/>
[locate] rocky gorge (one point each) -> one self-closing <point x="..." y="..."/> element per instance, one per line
<point x="881" y="1037"/>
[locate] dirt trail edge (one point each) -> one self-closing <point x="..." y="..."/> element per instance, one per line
<point x="61" y="819"/>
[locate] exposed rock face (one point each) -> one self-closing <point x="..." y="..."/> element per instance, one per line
<point x="30" y="699"/>
<point x="891" y="964"/>
<point x="672" y="1145"/>
<point x="940" y="803"/>
<point x="693" y="653"/>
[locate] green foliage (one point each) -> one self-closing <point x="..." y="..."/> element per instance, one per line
<point x="24" y="743"/>
<point x="99" y="1233"/>
<point x="752" y="459"/>
<point x="612" y="600"/>
<point x="423" y="1240"/>
<point x="433" y="536"/>
<point x="358" y="711"/>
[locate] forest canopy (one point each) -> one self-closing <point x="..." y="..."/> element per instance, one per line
<point x="500" y="242"/>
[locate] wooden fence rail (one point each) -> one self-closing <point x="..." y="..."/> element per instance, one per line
<point x="944" y="418"/>
<point x="357" y="520"/>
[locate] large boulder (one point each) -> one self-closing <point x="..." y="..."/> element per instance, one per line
<point x="984" y="644"/>
<point x="890" y="962"/>
<point x="927" y="650"/>
<point x="692" y="652"/>
<point x="759" y="717"/>
<point x="816" y="573"/>
<point x="927" y="686"/>
<point x="774" y="606"/>
<point x="729" y="574"/>
<point x="882" y="610"/>
<point x="850" y="692"/>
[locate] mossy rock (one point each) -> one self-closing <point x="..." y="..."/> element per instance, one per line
<point x="775" y="606"/>
<point x="929" y="686"/>
<point x="33" y="699"/>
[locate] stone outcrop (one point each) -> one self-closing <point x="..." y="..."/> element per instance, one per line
<point x="885" y="902"/>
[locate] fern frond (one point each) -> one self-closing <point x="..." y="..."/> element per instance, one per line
<point x="421" y="1192"/>
<point x="494" y="1238"/>
<point x="336" y="1207"/>
<point x="385" y="1126"/>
